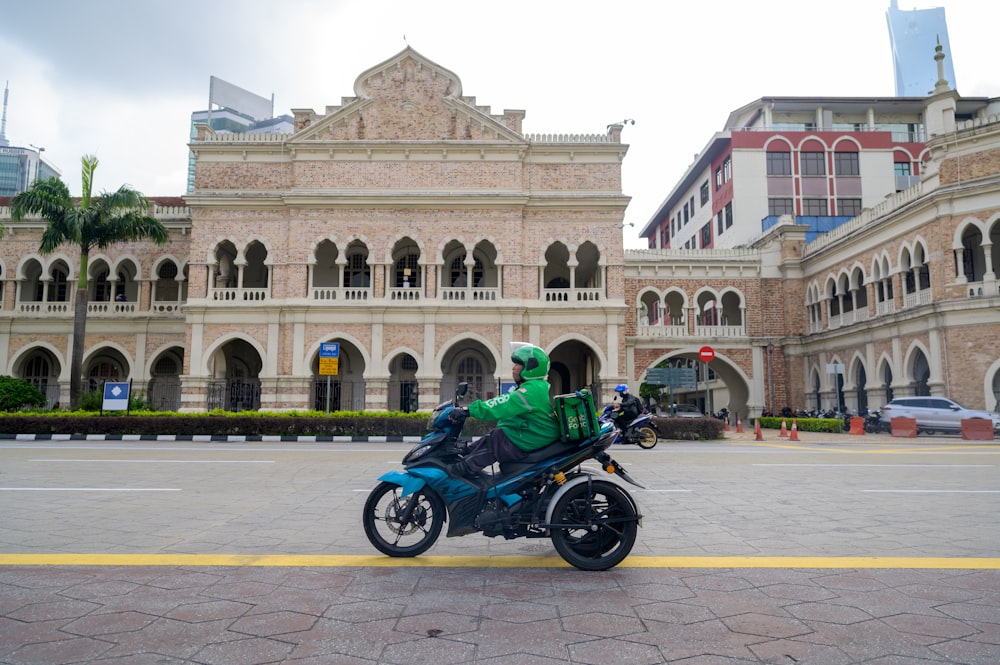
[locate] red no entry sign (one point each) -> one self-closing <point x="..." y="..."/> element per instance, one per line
<point x="706" y="354"/>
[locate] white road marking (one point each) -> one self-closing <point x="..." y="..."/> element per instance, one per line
<point x="90" y="489"/>
<point x="163" y="461"/>
<point x="933" y="491"/>
<point x="898" y="466"/>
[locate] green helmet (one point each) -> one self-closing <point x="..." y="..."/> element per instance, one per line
<point x="534" y="360"/>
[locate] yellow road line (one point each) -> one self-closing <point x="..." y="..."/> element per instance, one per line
<point x="990" y="448"/>
<point x="543" y="561"/>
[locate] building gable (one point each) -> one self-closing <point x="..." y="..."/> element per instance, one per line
<point x="406" y="98"/>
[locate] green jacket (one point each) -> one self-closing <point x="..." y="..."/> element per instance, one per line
<point x="525" y="415"/>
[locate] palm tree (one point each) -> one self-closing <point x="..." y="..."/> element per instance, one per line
<point x="97" y="222"/>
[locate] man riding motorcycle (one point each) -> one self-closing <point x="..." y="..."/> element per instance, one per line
<point x="629" y="409"/>
<point x="525" y="419"/>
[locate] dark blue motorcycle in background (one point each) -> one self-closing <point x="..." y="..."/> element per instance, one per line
<point x="592" y="521"/>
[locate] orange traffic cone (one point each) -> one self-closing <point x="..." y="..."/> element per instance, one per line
<point x="795" y="431"/>
<point x="725" y="425"/>
<point x="739" y="424"/>
<point x="784" y="428"/>
<point x="757" y="432"/>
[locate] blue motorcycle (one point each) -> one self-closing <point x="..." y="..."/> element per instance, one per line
<point x="641" y="430"/>
<point x="592" y="521"/>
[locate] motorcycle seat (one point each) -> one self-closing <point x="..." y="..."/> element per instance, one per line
<point x="534" y="457"/>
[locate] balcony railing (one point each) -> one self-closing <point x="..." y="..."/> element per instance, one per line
<point x="44" y="308"/>
<point x="405" y="294"/>
<point x="669" y="330"/>
<point x="171" y="307"/>
<point x="346" y="294"/>
<point x="885" y="307"/>
<point x="922" y="297"/>
<point x="847" y="318"/>
<point x="572" y="295"/>
<point x="112" y="309"/>
<point x="100" y="309"/>
<point x="681" y="330"/>
<point x="463" y="294"/>
<point x="239" y="295"/>
<point x="720" y="331"/>
<point x="981" y="289"/>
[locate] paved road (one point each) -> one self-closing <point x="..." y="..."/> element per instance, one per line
<point x="826" y="550"/>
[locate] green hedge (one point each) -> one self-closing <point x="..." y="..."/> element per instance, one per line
<point x="690" y="429"/>
<point x="829" y="425"/>
<point x="228" y="424"/>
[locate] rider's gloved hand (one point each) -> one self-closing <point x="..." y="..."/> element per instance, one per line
<point x="459" y="413"/>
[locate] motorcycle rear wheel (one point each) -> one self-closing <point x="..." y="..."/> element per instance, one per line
<point x="390" y="533"/>
<point x="646" y="437"/>
<point x="601" y="524"/>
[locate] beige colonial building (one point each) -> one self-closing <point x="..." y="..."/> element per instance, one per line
<point x="420" y="233"/>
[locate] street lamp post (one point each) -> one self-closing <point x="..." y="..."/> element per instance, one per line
<point x="770" y="372"/>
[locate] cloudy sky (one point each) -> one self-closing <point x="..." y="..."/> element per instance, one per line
<point x="120" y="78"/>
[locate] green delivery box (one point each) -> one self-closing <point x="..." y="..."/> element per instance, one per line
<point x="577" y="416"/>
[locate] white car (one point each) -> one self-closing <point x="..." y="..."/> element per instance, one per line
<point x="684" y="411"/>
<point x="934" y="413"/>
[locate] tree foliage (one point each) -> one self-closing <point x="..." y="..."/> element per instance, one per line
<point x="17" y="394"/>
<point x="95" y="222"/>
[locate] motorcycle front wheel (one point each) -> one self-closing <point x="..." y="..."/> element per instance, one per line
<point x="646" y="437"/>
<point x="403" y="526"/>
<point x="594" y="525"/>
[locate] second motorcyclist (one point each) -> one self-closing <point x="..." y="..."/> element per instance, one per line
<point x="629" y="409"/>
<point x="525" y="419"/>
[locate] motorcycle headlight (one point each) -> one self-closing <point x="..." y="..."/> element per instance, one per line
<point x="417" y="453"/>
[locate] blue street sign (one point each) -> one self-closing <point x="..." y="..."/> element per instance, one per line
<point x="115" y="397"/>
<point x="329" y="359"/>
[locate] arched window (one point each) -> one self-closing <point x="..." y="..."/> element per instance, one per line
<point x="921" y="375"/>
<point x="357" y="272"/>
<point x="58" y="291"/>
<point x="101" y="373"/>
<point x="470" y="370"/>
<point x="166" y="282"/>
<point x="36" y="371"/>
<point x="407" y="272"/>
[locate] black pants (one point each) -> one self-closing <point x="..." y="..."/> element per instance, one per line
<point x="622" y="423"/>
<point x="494" y="447"/>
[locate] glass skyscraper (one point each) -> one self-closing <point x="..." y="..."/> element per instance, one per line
<point x="20" y="167"/>
<point x="913" y="35"/>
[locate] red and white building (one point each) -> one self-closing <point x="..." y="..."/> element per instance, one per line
<point x="822" y="158"/>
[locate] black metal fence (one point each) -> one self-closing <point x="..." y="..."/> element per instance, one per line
<point x="234" y="395"/>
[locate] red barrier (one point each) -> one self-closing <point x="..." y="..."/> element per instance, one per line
<point x="978" y="429"/>
<point x="857" y="425"/>
<point x="904" y="427"/>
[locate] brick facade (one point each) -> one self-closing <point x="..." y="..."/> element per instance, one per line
<point x="367" y="225"/>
